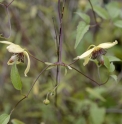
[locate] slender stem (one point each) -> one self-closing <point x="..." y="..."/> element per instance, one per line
<point x="61" y="33"/>
<point x="37" y="79"/>
<point x="29" y="90"/>
<point x="17" y="104"/>
<point x="93" y="11"/>
<point x="36" y="58"/>
<point x="57" y="82"/>
<point x="59" y="59"/>
<point x="89" y="77"/>
<point x="73" y="62"/>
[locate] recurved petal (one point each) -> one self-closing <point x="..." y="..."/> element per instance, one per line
<point x="13" y="48"/>
<point x="6" y="42"/>
<point x="28" y="64"/>
<point x="85" y="54"/>
<point x="107" y="45"/>
<point x="86" y="60"/>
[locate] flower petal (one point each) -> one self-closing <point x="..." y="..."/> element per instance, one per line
<point x="13" y="60"/>
<point x="28" y="65"/>
<point x="6" y="42"/>
<point x="108" y="45"/>
<point x="85" y="54"/>
<point x="86" y="60"/>
<point x="13" y="48"/>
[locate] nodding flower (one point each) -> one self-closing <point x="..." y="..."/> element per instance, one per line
<point x="18" y="55"/>
<point x="96" y="52"/>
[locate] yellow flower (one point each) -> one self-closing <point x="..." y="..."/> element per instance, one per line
<point x="18" y="55"/>
<point x="96" y="52"/>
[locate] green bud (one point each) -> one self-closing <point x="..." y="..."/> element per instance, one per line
<point x="46" y="101"/>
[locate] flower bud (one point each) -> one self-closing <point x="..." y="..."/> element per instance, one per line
<point x="46" y="101"/>
<point x="82" y="4"/>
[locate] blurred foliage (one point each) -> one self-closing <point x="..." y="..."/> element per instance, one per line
<point x="80" y="101"/>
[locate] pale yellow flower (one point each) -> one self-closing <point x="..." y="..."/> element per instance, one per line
<point x="95" y="52"/>
<point x="18" y="55"/>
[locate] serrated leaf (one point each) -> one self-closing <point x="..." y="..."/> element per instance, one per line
<point x="85" y="17"/>
<point x="112" y="67"/>
<point x="95" y="94"/>
<point x="114" y="77"/>
<point x="15" y="78"/>
<point x="113" y="59"/>
<point x="82" y="28"/>
<point x="15" y="121"/>
<point x="101" y="12"/>
<point x="4" y="118"/>
<point x="118" y="23"/>
<point x="106" y="62"/>
<point x="97" y="114"/>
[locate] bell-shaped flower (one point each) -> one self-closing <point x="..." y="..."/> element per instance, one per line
<point x="18" y="55"/>
<point x="96" y="52"/>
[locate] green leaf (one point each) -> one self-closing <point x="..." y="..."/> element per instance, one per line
<point x="113" y="10"/>
<point x="113" y="59"/>
<point x="15" y="78"/>
<point x="101" y="12"/>
<point x="15" y="121"/>
<point x="95" y="94"/>
<point x="85" y="17"/>
<point x="118" y="23"/>
<point x="114" y="77"/>
<point x="112" y="67"/>
<point x="4" y="118"/>
<point x="97" y="114"/>
<point x="82" y="28"/>
<point x="106" y="62"/>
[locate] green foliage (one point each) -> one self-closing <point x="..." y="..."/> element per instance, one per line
<point x="82" y="28"/>
<point x="101" y="12"/>
<point x="95" y="94"/>
<point x="112" y="67"/>
<point x="85" y="17"/>
<point x="113" y="10"/>
<point x="4" y="118"/>
<point x="97" y="114"/>
<point x="114" y="77"/>
<point x="113" y="59"/>
<point x="106" y="62"/>
<point x="15" y="78"/>
<point x="118" y="23"/>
